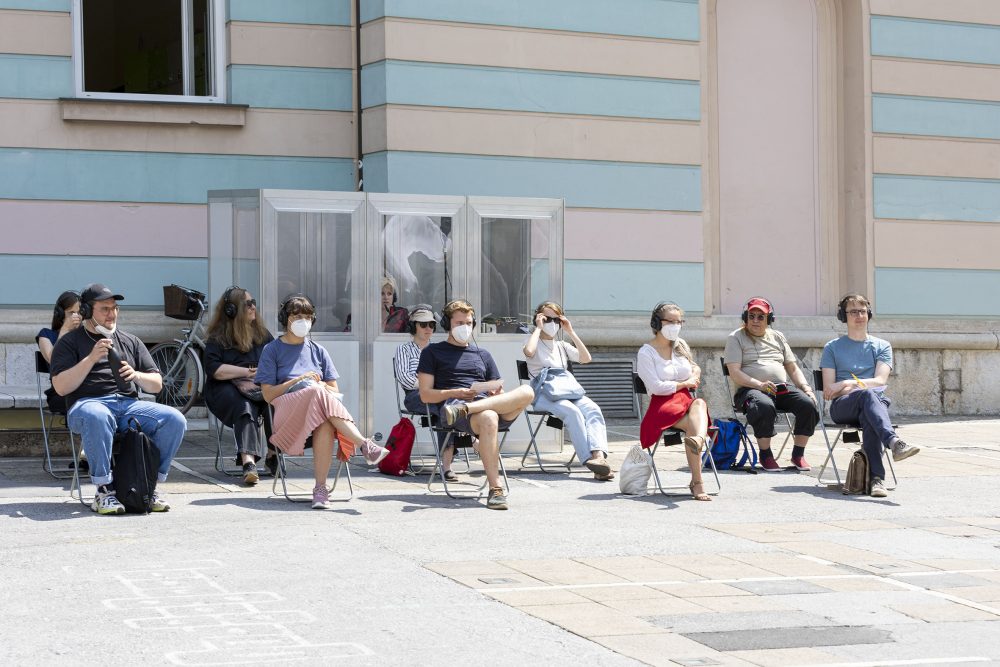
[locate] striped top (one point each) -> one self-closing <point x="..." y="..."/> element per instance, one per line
<point x="404" y="365"/>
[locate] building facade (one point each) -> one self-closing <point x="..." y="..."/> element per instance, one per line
<point x="706" y="151"/>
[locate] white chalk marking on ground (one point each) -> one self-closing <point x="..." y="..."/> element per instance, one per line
<point x="532" y="482"/>
<point x="920" y="661"/>
<point x="815" y="559"/>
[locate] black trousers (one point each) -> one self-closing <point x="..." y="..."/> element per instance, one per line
<point x="761" y="410"/>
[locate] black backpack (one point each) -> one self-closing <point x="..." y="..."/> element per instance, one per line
<point x="134" y="468"/>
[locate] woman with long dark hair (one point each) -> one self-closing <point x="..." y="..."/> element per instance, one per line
<point x="236" y="338"/>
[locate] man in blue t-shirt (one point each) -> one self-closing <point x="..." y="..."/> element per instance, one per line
<point x="446" y="374"/>
<point x="855" y="374"/>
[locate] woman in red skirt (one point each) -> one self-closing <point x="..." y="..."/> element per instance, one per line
<point x="298" y="378"/>
<point x="670" y="374"/>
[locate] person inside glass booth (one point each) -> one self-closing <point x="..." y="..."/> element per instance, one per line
<point x="393" y="318"/>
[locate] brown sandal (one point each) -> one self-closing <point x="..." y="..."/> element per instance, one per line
<point x="694" y="443"/>
<point x="700" y="493"/>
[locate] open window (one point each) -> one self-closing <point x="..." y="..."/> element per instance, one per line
<point x="160" y="50"/>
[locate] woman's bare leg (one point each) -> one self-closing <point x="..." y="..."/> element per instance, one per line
<point x="695" y="423"/>
<point x="323" y="438"/>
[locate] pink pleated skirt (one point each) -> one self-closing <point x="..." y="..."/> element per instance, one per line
<point x="297" y="415"/>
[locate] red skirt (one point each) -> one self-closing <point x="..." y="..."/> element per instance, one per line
<point x="663" y="413"/>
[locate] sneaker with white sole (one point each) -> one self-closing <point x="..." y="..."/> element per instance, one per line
<point x="878" y="488"/>
<point x="452" y="412"/>
<point x="321" y="498"/>
<point x="497" y="499"/>
<point x="901" y="450"/>
<point x="250" y="474"/>
<point x="105" y="502"/>
<point x="160" y="503"/>
<point x="770" y="465"/>
<point x="373" y="453"/>
<point x="801" y="464"/>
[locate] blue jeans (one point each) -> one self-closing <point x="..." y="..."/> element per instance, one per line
<point x="868" y="409"/>
<point x="98" y="419"/>
<point x="584" y="421"/>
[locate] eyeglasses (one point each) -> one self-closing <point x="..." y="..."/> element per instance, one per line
<point x="250" y="303"/>
<point x="553" y="319"/>
<point x="672" y="321"/>
<point x="427" y="325"/>
<point x="757" y="317"/>
<point x="857" y="313"/>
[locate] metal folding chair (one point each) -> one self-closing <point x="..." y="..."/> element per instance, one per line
<point x="422" y="420"/>
<point x="846" y="433"/>
<point x="281" y="474"/>
<point x="544" y="418"/>
<point x="740" y="414"/>
<point x="47" y="419"/>
<point x="674" y="436"/>
<point x="220" y="456"/>
<point x="459" y="440"/>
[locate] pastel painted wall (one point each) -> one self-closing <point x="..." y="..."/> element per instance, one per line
<point x="103" y="191"/>
<point x="767" y="110"/>
<point x="935" y="84"/>
<point x="595" y="102"/>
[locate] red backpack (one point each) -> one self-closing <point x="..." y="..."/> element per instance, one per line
<point x="400" y="445"/>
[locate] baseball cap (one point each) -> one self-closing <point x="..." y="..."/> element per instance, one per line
<point x="98" y="292"/>
<point x="422" y="314"/>
<point x="760" y="304"/>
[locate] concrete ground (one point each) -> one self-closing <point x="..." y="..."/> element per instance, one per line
<point x="775" y="571"/>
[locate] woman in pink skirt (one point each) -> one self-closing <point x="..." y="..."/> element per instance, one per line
<point x="298" y="378"/>
<point x="670" y="374"/>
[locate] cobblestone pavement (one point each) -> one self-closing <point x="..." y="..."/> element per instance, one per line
<point x="777" y="570"/>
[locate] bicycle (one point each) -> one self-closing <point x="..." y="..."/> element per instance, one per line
<point x="179" y="361"/>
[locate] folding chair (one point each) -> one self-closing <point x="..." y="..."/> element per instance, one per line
<point x="47" y="419"/>
<point x="675" y="436"/>
<point x="544" y="418"/>
<point x="460" y="440"/>
<point x="846" y="432"/>
<point x="220" y="456"/>
<point x="423" y="421"/>
<point x="737" y="412"/>
<point x="281" y="474"/>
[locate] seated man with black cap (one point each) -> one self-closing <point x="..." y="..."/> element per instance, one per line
<point x="100" y="406"/>
<point x="763" y="367"/>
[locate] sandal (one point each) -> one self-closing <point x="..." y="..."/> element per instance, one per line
<point x="450" y="476"/>
<point x="604" y="478"/>
<point x="694" y="443"/>
<point x="700" y="493"/>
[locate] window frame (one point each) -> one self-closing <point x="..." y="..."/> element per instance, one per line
<point x="216" y="54"/>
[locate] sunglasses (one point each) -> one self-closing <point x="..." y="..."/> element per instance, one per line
<point x="250" y="303"/>
<point x="427" y="325"/>
<point x="553" y="319"/>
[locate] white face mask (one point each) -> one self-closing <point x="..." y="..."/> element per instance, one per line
<point x="300" y="327"/>
<point x="550" y="328"/>
<point x="462" y="333"/>
<point x="103" y="330"/>
<point x="671" y="331"/>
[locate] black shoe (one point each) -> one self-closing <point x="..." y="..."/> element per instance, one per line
<point x="250" y="476"/>
<point x="271" y="463"/>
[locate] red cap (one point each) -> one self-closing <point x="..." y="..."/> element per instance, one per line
<point x="760" y="304"/>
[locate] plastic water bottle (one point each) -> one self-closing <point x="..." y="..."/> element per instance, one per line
<point x="115" y="361"/>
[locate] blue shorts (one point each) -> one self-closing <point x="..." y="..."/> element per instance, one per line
<point x="462" y="425"/>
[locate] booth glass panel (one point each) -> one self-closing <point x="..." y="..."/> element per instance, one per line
<point x="313" y="256"/>
<point x="246" y="244"/>
<point x="515" y="271"/>
<point x="418" y="257"/>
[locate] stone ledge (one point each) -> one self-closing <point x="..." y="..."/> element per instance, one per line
<point x="158" y="113"/>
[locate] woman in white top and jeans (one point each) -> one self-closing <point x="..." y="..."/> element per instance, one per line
<point x="583" y="418"/>
<point x="670" y="374"/>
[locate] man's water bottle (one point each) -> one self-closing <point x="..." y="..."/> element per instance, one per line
<point x="115" y="361"/>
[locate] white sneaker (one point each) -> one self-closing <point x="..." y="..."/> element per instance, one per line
<point x="160" y="503"/>
<point x="902" y="451"/>
<point x="106" y="503"/>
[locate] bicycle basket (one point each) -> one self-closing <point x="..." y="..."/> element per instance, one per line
<point x="181" y="303"/>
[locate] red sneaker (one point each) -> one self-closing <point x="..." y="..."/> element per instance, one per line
<point x="801" y="463"/>
<point x="770" y="465"/>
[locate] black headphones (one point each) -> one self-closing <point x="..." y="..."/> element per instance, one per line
<point x="654" y="318"/>
<point x="230" y="308"/>
<point x="447" y="311"/>
<point x="411" y="326"/>
<point x="282" y="309"/>
<point x="86" y="309"/>
<point x="746" y="311"/>
<point x="842" y="308"/>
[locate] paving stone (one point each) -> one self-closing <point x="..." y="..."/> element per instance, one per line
<point x="858" y="608"/>
<point x="780" y="657"/>
<point x="562" y="571"/>
<point x="668" y="606"/>
<point x="714" y="567"/>
<point x="959" y="564"/>
<point x="604" y="593"/>
<point x="480" y="582"/>
<point x="943" y="581"/>
<point x="474" y="568"/>
<point x="944" y="612"/>
<point x="734" y="603"/>
<point x="789" y="565"/>
<point x="780" y="587"/>
<point x="922" y="522"/>
<point x="591" y="619"/>
<point x="733" y="621"/>
<point x="639" y="568"/>
<point x="856" y="584"/>
<point x="537" y="597"/>
<point x="793" y="637"/>
<point x="700" y="590"/>
<point x="989" y="593"/>
<point x="666" y="649"/>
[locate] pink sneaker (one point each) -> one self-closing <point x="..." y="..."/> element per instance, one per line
<point x="321" y="498"/>
<point x="801" y="463"/>
<point x="373" y="453"/>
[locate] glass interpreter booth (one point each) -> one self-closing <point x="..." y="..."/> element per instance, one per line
<point x="504" y="255"/>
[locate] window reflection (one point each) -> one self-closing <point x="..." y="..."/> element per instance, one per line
<point x="418" y="258"/>
<point x="515" y="271"/>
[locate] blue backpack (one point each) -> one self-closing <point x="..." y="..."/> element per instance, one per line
<point x="726" y="452"/>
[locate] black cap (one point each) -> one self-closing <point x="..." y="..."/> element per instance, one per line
<point x="98" y="292"/>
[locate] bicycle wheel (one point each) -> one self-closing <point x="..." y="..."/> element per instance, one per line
<point x="182" y="375"/>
